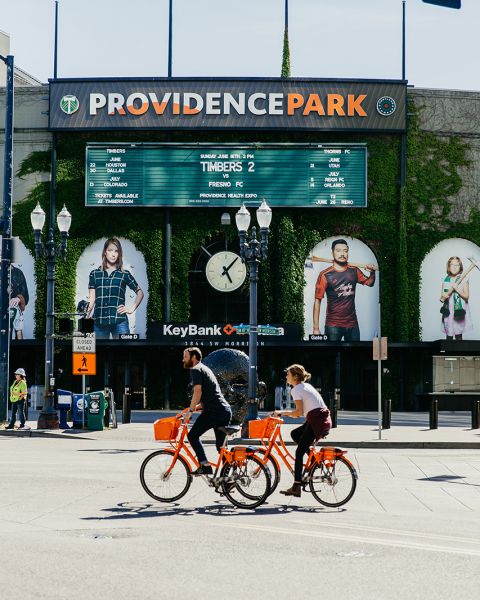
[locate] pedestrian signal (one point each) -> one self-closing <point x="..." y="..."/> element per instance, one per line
<point x="65" y="326"/>
<point x="85" y="325"/>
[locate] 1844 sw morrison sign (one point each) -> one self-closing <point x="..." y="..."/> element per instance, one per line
<point x="186" y="103"/>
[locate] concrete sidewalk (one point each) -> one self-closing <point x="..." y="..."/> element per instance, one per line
<point x="355" y="430"/>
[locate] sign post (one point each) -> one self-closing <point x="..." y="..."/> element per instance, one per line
<point x="84" y="361"/>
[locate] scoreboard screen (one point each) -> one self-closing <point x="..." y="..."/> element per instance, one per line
<point x="314" y="176"/>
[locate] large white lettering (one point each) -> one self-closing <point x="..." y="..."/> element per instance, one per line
<point x="251" y="104"/>
<point x="97" y="101"/>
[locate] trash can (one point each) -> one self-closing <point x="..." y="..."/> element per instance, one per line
<point x="64" y="403"/>
<point x="96" y="405"/>
<point x="77" y="411"/>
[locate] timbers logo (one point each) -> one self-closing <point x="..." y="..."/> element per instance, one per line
<point x="69" y="104"/>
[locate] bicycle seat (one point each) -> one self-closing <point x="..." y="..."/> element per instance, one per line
<point x="229" y="429"/>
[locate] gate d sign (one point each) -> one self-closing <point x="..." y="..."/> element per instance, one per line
<point x="83" y="345"/>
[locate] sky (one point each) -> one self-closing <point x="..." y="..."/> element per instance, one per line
<point x="359" y="39"/>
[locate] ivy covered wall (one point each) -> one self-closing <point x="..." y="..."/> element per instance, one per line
<point x="399" y="229"/>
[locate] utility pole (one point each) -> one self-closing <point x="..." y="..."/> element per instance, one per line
<point x="6" y="239"/>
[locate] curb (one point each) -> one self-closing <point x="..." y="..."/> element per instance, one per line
<point x="82" y="434"/>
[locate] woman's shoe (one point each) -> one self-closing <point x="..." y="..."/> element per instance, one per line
<point x="203" y="470"/>
<point x="295" y="490"/>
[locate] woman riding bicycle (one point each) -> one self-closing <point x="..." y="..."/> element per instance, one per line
<point x="310" y="404"/>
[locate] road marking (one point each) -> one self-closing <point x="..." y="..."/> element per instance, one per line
<point x="401" y="532"/>
<point x="353" y="538"/>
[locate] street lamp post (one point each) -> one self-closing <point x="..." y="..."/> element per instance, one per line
<point x="252" y="253"/>
<point x="48" y="418"/>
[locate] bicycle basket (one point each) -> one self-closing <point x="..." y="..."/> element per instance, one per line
<point x="261" y="428"/>
<point x="166" y="429"/>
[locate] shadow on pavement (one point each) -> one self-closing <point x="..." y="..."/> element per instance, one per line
<point x="130" y="510"/>
<point x="35" y="433"/>
<point x="115" y="450"/>
<point x="448" y="479"/>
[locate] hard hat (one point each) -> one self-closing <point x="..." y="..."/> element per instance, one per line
<point x="20" y="372"/>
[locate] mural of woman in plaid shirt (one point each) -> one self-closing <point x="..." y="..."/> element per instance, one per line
<point x="106" y="293"/>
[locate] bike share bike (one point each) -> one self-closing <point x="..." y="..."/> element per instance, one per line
<point x="327" y="473"/>
<point x="238" y="474"/>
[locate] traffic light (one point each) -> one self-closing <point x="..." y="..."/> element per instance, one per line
<point x="446" y="3"/>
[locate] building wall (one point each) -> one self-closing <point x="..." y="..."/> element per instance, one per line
<point x="448" y="113"/>
<point x="4" y="50"/>
<point x="30" y="134"/>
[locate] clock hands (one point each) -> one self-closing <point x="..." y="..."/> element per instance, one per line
<point x="227" y="269"/>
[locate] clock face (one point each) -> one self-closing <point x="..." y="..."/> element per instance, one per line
<point x="225" y="271"/>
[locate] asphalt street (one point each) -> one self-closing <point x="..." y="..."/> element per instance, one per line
<point x="76" y="523"/>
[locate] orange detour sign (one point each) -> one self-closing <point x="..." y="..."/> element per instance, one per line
<point x="84" y="364"/>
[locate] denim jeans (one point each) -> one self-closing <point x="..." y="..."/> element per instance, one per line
<point x="18" y="407"/>
<point x="349" y="334"/>
<point x="104" y="331"/>
<point x="203" y="423"/>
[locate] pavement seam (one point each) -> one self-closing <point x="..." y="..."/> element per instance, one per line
<point x="375" y="498"/>
<point x="457" y="499"/>
<point x="420" y="501"/>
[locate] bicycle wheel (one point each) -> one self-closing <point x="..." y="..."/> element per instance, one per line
<point x="273" y="468"/>
<point x="163" y="486"/>
<point x="246" y="484"/>
<point x="333" y="484"/>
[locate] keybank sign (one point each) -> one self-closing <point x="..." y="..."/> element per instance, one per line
<point x="225" y="103"/>
<point x="192" y="330"/>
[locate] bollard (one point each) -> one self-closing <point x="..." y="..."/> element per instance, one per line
<point x="126" y="412"/>
<point x="335" y="403"/>
<point x="434" y="414"/>
<point x="387" y="414"/>
<point x="106" y="417"/>
<point x="476" y="414"/>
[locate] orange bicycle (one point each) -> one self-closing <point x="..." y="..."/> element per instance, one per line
<point x="327" y="473"/>
<point x="239" y="475"/>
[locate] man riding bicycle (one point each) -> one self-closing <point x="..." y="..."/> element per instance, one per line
<point x="216" y="410"/>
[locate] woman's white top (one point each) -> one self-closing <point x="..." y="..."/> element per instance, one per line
<point x="309" y="396"/>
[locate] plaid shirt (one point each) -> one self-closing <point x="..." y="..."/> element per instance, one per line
<point x="110" y="294"/>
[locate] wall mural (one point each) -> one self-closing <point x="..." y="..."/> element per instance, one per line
<point x="450" y="291"/>
<point x="341" y="291"/>
<point x="23" y="293"/>
<point x="112" y="286"/>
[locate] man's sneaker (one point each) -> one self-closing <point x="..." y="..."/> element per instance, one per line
<point x="203" y="470"/>
<point x="9" y="427"/>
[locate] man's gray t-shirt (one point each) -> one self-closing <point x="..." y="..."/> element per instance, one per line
<point x="212" y="397"/>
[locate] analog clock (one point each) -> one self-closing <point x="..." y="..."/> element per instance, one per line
<point x="225" y="271"/>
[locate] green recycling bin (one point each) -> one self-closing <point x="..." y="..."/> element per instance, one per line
<point x="96" y="405"/>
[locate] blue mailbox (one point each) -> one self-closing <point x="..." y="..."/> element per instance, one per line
<point x="64" y="403"/>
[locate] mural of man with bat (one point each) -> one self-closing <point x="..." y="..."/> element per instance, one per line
<point x="338" y="283"/>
